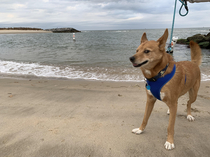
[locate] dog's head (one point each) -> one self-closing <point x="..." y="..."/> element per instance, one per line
<point x="149" y="53"/>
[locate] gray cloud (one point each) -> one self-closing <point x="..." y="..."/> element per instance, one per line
<point x="100" y="14"/>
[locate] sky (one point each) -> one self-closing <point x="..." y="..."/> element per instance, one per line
<point x="101" y="14"/>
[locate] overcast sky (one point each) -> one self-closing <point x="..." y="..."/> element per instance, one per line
<point x="100" y="14"/>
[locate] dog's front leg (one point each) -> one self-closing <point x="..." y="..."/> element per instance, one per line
<point x="149" y="106"/>
<point x="170" y="138"/>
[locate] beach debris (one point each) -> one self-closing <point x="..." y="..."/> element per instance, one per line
<point x="10" y="95"/>
<point x="204" y="97"/>
<point x="193" y="110"/>
<point x="138" y="86"/>
<point x="119" y="95"/>
<point x="63" y="140"/>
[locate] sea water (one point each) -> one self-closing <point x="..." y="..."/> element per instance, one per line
<point x="95" y="55"/>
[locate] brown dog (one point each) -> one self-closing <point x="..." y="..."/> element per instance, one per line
<point x="167" y="80"/>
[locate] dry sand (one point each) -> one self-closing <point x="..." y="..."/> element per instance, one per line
<point x="61" y="118"/>
<point x="22" y="31"/>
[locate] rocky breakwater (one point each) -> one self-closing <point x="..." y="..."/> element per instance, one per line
<point x="63" y="30"/>
<point x="202" y="40"/>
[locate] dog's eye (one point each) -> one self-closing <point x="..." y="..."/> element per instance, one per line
<point x="137" y="51"/>
<point x="146" y="51"/>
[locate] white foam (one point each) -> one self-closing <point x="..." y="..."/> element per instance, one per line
<point x="39" y="70"/>
<point x="205" y="77"/>
<point x="72" y="72"/>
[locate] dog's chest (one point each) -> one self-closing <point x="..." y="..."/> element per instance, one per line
<point x="154" y="87"/>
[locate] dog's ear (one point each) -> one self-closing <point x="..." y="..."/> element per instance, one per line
<point x="162" y="40"/>
<point x="144" y="38"/>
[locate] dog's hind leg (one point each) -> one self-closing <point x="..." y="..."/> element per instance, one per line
<point x="192" y="97"/>
<point x="148" y="110"/>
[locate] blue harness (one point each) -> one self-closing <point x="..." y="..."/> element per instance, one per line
<point x="155" y="85"/>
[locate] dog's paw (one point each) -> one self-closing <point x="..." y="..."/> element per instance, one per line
<point x="137" y="131"/>
<point x="169" y="145"/>
<point x="190" y="118"/>
<point x="168" y="112"/>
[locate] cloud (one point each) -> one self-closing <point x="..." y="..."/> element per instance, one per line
<point x="100" y="14"/>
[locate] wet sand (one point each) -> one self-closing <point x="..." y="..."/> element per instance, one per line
<point x="60" y="118"/>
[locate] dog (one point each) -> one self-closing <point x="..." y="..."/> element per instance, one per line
<point x="167" y="80"/>
<point x="173" y="43"/>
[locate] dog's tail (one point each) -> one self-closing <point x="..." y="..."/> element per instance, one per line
<point x="196" y="56"/>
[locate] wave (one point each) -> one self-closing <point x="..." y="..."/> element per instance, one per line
<point x="20" y="69"/>
<point x="10" y="68"/>
<point x="118" y="31"/>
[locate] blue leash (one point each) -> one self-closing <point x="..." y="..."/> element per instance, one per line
<point x="184" y="3"/>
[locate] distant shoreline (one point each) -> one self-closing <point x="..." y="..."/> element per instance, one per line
<point x="23" y="31"/>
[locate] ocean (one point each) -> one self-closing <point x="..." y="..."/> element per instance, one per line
<point x="95" y="55"/>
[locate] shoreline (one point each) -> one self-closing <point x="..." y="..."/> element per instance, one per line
<point x="29" y="77"/>
<point x="44" y="117"/>
<point x="23" y="31"/>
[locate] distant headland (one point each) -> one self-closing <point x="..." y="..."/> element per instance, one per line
<point x="63" y="30"/>
<point x="21" y="30"/>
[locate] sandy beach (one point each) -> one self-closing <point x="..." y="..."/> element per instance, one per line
<point x="60" y="118"/>
<point x="22" y="31"/>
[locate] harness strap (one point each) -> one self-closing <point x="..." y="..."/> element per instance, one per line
<point x="156" y="86"/>
<point x="160" y="74"/>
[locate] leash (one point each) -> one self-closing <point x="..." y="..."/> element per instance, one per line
<point x="184" y="3"/>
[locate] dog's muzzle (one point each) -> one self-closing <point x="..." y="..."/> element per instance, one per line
<point x="132" y="59"/>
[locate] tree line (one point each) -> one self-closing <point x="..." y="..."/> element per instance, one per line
<point x="20" y="28"/>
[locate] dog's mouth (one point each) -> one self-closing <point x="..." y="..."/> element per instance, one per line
<point x="138" y="65"/>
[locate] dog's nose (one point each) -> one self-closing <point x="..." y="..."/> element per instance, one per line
<point x="132" y="59"/>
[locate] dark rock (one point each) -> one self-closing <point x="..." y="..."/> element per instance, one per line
<point x="182" y="41"/>
<point x="208" y="35"/>
<point x="197" y="38"/>
<point x="207" y="38"/>
<point x="63" y="30"/>
<point x="205" y="45"/>
<point x="202" y="40"/>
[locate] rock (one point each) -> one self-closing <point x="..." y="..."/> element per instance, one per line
<point x="207" y="38"/>
<point x="63" y="30"/>
<point x="197" y="38"/>
<point x="205" y="45"/>
<point x="208" y="35"/>
<point x="202" y="40"/>
<point x="182" y="41"/>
